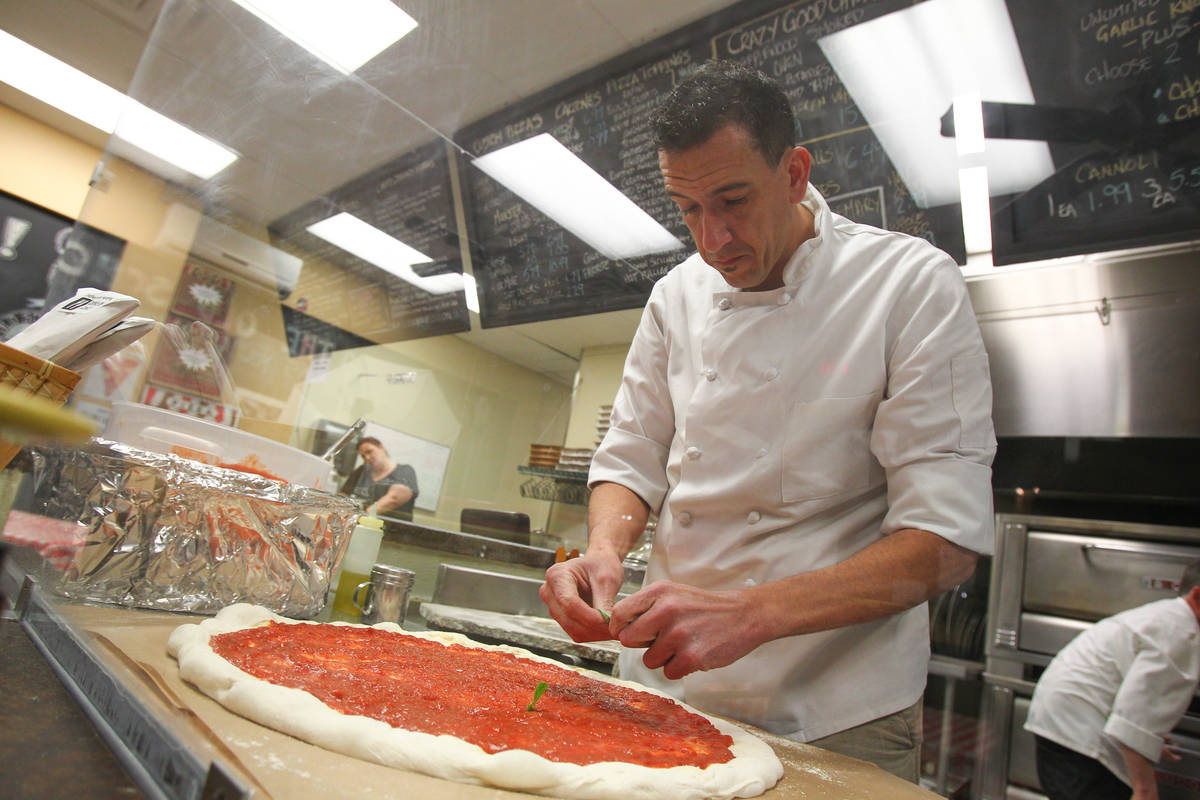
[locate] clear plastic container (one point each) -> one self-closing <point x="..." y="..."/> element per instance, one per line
<point x="361" y="554"/>
<point x="162" y="431"/>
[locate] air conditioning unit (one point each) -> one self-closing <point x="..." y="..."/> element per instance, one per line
<point x="186" y="230"/>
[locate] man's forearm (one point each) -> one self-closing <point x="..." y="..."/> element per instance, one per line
<point x="1141" y="774"/>
<point x="397" y="495"/>
<point x="616" y="518"/>
<point x="892" y="575"/>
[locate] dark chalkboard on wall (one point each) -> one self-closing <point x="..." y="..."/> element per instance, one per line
<point x="1117" y="96"/>
<point x="307" y="336"/>
<point x="44" y="258"/>
<point x="409" y="198"/>
<point x="528" y="268"/>
<point x="1120" y="83"/>
<point x="850" y="166"/>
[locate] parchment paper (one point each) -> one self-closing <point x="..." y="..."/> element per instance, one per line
<point x="280" y="766"/>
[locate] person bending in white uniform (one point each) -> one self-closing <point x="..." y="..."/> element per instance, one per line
<point x="1102" y="710"/>
<point x="806" y="405"/>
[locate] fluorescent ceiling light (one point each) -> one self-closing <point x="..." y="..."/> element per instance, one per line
<point x="40" y="75"/>
<point x="968" y="124"/>
<point x="976" y="209"/>
<point x="345" y="34"/>
<point x="43" y="76"/>
<point x="471" y="292"/>
<point x="905" y="69"/>
<point x="149" y="131"/>
<point x="559" y="184"/>
<point x="384" y="251"/>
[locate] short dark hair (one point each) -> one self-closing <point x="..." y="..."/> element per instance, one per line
<point x="720" y="93"/>
<point x="370" y="440"/>
<point x="1191" y="577"/>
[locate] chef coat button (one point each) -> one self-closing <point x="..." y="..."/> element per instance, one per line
<point x="762" y="452"/>
<point x="684" y="518"/>
<point x="710" y="373"/>
<point x="771" y="374"/>
<point x="725" y="304"/>
<point x="784" y="299"/>
<point x="753" y="517"/>
<point x="693" y="453"/>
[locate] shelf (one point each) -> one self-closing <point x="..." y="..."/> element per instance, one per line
<point x="958" y="668"/>
<point x="576" y="476"/>
<point x="556" y="485"/>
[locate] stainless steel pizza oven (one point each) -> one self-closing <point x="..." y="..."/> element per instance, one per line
<point x="1052" y="578"/>
<point x="1094" y="369"/>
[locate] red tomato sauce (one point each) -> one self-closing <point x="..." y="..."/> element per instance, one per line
<point x="253" y="470"/>
<point x="477" y="695"/>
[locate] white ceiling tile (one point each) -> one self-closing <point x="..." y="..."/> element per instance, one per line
<point x="302" y="130"/>
<point x="629" y="17"/>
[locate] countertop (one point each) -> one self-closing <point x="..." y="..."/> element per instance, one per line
<point x="169" y="736"/>
<point x="453" y="542"/>
<point x="133" y="645"/>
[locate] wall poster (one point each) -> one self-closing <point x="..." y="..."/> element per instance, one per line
<point x="189" y="372"/>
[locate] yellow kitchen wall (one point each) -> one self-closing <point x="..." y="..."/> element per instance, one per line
<point x="52" y="169"/>
<point x="596" y="385"/>
<point x="28" y="149"/>
<point x="485" y="409"/>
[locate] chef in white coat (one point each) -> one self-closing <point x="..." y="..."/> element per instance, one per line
<point x="1103" y="710"/>
<point x="806" y="405"/>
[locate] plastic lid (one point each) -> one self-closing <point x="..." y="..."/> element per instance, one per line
<point x="371" y="522"/>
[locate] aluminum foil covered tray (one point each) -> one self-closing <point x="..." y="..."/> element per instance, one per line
<point x="168" y="533"/>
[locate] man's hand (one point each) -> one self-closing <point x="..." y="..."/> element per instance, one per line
<point x="686" y="629"/>
<point x="576" y="588"/>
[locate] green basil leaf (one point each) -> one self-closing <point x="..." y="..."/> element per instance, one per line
<point x="537" y="695"/>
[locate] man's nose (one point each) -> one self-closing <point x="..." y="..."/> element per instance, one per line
<point x="714" y="233"/>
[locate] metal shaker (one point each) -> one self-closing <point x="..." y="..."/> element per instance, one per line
<point x="386" y="595"/>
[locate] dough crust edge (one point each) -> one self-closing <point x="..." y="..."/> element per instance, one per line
<point x="754" y="769"/>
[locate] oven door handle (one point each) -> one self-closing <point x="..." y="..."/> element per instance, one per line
<point x="1183" y="751"/>
<point x="1137" y="550"/>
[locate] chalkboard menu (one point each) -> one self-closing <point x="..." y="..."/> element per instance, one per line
<point x="409" y="198"/>
<point x="529" y="268"/>
<point x="526" y="266"/>
<point x="1121" y="84"/>
<point x="307" y="336"/>
<point x="851" y="169"/>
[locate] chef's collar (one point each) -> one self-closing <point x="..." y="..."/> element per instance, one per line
<point x="793" y="273"/>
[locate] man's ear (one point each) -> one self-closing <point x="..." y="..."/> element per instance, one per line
<point x="799" y="165"/>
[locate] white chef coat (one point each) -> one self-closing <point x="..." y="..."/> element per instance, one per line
<point x="781" y="431"/>
<point x="1127" y="679"/>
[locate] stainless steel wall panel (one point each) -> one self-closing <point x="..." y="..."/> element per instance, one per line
<point x="1100" y="347"/>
